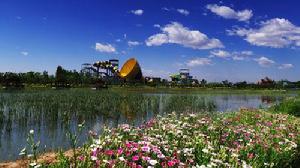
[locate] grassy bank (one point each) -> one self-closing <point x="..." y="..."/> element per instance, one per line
<point x="288" y="106"/>
<point x="249" y="138"/>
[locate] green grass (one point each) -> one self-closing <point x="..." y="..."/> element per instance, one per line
<point x="290" y="106"/>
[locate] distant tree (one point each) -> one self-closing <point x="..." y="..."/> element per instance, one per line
<point x="1" y="77"/>
<point x="241" y="84"/>
<point x="60" y="77"/>
<point x="203" y="82"/>
<point x="297" y="84"/>
<point x="226" y="83"/>
<point x="11" y="80"/>
<point x="45" y="78"/>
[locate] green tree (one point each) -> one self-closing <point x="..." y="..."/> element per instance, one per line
<point x="60" y="75"/>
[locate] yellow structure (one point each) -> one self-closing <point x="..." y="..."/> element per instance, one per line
<point x="131" y="70"/>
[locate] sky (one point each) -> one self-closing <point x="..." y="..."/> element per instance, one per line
<point x="216" y="40"/>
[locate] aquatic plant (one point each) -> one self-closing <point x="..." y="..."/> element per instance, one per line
<point x="55" y="111"/>
<point x="31" y="150"/>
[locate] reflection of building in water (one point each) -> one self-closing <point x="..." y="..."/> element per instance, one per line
<point x="268" y="99"/>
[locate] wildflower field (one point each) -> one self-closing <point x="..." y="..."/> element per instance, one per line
<point x="248" y="138"/>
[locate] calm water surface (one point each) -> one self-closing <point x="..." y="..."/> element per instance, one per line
<point x="53" y="113"/>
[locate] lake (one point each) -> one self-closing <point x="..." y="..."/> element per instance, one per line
<point x="53" y="113"/>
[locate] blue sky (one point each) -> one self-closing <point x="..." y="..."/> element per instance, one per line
<point x="217" y="40"/>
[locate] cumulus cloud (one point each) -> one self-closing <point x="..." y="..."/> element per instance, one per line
<point x="275" y="33"/>
<point x="183" y="11"/>
<point x="25" y="53"/>
<point x="198" y="62"/>
<point x="220" y="54"/>
<point x="105" y="48"/>
<point x="133" y="43"/>
<point x="241" y="55"/>
<point x="286" y="66"/>
<point x="176" y="33"/>
<point x="264" y="62"/>
<point x="228" y="13"/>
<point x="138" y="12"/>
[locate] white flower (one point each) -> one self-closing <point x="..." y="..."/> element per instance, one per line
<point x="94" y="158"/>
<point x="205" y="150"/>
<point x="32" y="164"/>
<point x="37" y="166"/>
<point x="235" y="155"/>
<point x="202" y="166"/>
<point x="152" y="162"/>
<point x="161" y="156"/>
<point x="22" y="152"/>
<point x="217" y="161"/>
<point x="121" y="158"/>
<point x="31" y="131"/>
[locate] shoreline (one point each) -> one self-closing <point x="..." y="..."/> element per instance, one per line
<point x="51" y="157"/>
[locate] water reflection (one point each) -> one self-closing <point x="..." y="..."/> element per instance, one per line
<point x="49" y="112"/>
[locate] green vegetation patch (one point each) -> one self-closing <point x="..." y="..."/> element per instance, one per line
<point x="289" y="106"/>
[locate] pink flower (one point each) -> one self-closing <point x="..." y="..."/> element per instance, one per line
<point x="145" y="149"/>
<point x="171" y="163"/>
<point x="94" y="152"/>
<point x="135" y="158"/>
<point x="119" y="151"/>
<point x="128" y="145"/>
<point x="250" y="155"/>
<point x="269" y="124"/>
<point x="109" y="152"/>
<point x="81" y="158"/>
<point x="134" y="149"/>
<point x="146" y="158"/>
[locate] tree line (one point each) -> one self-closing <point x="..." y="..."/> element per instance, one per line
<point x="73" y="78"/>
<point x="62" y="78"/>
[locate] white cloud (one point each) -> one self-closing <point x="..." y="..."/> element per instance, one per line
<point x="198" y="62"/>
<point x="276" y="33"/>
<point x="285" y="66"/>
<point x="25" y="53"/>
<point x="105" y="48"/>
<point x="264" y="62"/>
<point x="133" y="43"/>
<point x="138" y="12"/>
<point x="156" y="25"/>
<point x="228" y="13"/>
<point x="176" y="33"/>
<point x="220" y="53"/>
<point x="183" y="11"/>
<point x="242" y="55"/>
<point x="166" y="9"/>
<point x="156" y="73"/>
<point x="247" y="52"/>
